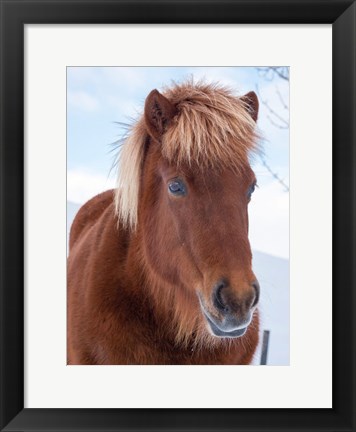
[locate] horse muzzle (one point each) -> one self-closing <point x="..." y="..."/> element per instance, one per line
<point x="230" y="315"/>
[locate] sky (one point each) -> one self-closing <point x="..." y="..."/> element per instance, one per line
<point x="99" y="98"/>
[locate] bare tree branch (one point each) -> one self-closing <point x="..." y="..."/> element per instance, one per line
<point x="282" y="72"/>
<point x="277" y="120"/>
<point x="285" y="106"/>
<point x="276" y="124"/>
<point x="275" y="175"/>
<point x="273" y="112"/>
<point x="285" y="123"/>
<point x="265" y="73"/>
<point x="269" y="72"/>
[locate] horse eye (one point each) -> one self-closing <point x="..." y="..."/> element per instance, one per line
<point x="177" y="188"/>
<point x="251" y="190"/>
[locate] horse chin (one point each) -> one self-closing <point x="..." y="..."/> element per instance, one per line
<point x="214" y="330"/>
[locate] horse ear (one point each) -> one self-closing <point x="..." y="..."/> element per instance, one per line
<point x="159" y="111"/>
<point x="250" y="100"/>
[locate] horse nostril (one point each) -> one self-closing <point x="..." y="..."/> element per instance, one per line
<point x="218" y="300"/>
<point x="256" y="287"/>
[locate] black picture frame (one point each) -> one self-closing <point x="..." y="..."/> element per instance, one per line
<point x="14" y="15"/>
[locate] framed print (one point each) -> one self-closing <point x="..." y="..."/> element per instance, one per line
<point x="195" y="76"/>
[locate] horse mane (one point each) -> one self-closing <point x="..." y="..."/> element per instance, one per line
<point x="213" y="129"/>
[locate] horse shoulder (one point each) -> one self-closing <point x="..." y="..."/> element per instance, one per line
<point x="96" y="242"/>
<point x="108" y="310"/>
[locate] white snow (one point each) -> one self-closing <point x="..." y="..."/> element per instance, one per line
<point x="273" y="276"/>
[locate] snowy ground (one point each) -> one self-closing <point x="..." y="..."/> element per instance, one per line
<point x="273" y="275"/>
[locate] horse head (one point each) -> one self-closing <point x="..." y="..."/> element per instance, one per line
<point x="193" y="185"/>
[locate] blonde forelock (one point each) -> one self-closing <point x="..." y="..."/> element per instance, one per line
<point x="213" y="128"/>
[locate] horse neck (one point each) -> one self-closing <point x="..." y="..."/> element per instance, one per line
<point x="148" y="285"/>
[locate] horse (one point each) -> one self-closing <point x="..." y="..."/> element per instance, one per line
<point x="160" y="268"/>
